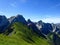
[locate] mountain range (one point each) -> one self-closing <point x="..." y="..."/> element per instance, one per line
<point x="32" y="33"/>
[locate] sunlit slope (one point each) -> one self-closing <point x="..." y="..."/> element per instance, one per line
<point x="22" y="35"/>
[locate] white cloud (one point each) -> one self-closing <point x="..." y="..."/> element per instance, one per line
<point x="52" y="20"/>
<point x="1" y="12"/>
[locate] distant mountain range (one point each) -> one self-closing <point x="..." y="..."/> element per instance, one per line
<point x="42" y="29"/>
<point x="45" y="28"/>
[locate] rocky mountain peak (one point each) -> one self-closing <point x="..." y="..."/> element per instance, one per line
<point x="3" y="20"/>
<point x="29" y="21"/>
<point x="18" y="18"/>
<point x="40" y="21"/>
<point x="3" y="23"/>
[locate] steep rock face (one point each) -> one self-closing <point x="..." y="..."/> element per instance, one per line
<point x="18" y="18"/>
<point x="32" y="25"/>
<point x="58" y="25"/>
<point x="56" y="39"/>
<point x="39" y="24"/>
<point x="56" y="29"/>
<point x="3" y="23"/>
<point x="45" y="28"/>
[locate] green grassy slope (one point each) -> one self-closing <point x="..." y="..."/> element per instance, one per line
<point x="21" y="35"/>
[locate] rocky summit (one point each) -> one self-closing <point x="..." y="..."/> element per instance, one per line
<point x="18" y="18"/>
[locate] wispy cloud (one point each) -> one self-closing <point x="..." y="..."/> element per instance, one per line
<point x="52" y="20"/>
<point x="1" y="12"/>
<point x="13" y="4"/>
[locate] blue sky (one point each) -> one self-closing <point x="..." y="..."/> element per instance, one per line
<point x="46" y="10"/>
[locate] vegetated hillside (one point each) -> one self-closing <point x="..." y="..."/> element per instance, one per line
<point x="22" y="35"/>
